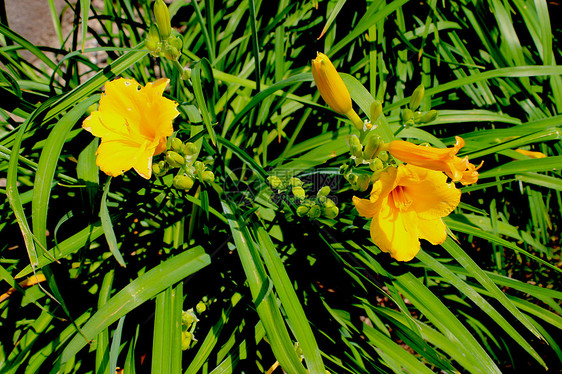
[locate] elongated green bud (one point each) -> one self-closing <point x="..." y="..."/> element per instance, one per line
<point x="417" y="97"/>
<point x="407" y="115"/>
<point x="429" y="116"/>
<point x="355" y="146"/>
<point x="162" y="16"/>
<point x="324" y="191"/>
<point x="299" y="192"/>
<point x="373" y="147"/>
<point x="363" y="182"/>
<point x="302" y="210"/>
<point x="208" y="176"/>
<point x="376" y="110"/>
<point x="182" y="182"/>
<point x="174" y="159"/>
<point x="177" y="145"/>
<point x="275" y="182"/>
<point x="331" y="212"/>
<point x="153" y="39"/>
<point x="190" y="148"/>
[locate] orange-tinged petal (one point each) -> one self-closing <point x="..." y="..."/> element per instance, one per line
<point x="365" y="207"/>
<point x="439" y="159"/>
<point x="434" y="231"/>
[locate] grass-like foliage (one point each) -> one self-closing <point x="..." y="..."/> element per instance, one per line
<point x="219" y="262"/>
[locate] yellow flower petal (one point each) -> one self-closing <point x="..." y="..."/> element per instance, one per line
<point x="531" y="154"/>
<point x="434" y="231"/>
<point x="407" y="204"/>
<point x="133" y="123"/>
<point x="396" y="232"/>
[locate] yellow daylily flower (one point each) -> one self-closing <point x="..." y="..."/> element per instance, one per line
<point x="133" y="123"/>
<point x="531" y="154"/>
<point x="440" y="159"/>
<point x="406" y="204"/>
<point x="333" y="89"/>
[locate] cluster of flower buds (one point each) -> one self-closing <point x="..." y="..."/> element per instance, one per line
<point x="189" y="322"/>
<point x="371" y="155"/>
<point x="321" y="206"/>
<point x="411" y="116"/>
<point x="162" y="40"/>
<point x="183" y="157"/>
<point x="316" y="207"/>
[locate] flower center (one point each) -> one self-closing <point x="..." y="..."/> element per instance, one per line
<point x="399" y="198"/>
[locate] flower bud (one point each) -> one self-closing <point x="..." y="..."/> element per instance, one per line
<point x="373" y="147"/>
<point x="329" y="203"/>
<point x="376" y="110"/>
<point x="384" y="156"/>
<point x="156" y="169"/>
<point x="324" y="191"/>
<point x="417" y="117"/>
<point x="275" y="182"/>
<point x="302" y="210"/>
<point x="330" y="84"/>
<point x="176" y="41"/>
<point x="190" y="148"/>
<point x="315" y="211"/>
<point x="376" y="164"/>
<point x="331" y="212"/>
<point x="363" y="182"/>
<point x="407" y="115"/>
<point x="299" y="192"/>
<point x="355" y="146"/>
<point x="295" y="182"/>
<point x="171" y="53"/>
<point x="186" y="73"/>
<point x="177" y="145"/>
<point x="174" y="159"/>
<point x="207" y="176"/>
<point x="417" y="97"/>
<point x="162" y="16"/>
<point x="200" y="307"/>
<point x="429" y="116"/>
<point x="199" y="167"/>
<point x="153" y="39"/>
<point x="182" y="182"/>
<point x="352" y="178"/>
<point x="186" y="338"/>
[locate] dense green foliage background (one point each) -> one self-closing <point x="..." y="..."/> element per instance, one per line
<point x="486" y="301"/>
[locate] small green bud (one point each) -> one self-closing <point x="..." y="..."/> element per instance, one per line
<point x="199" y="167"/>
<point x="176" y="41"/>
<point x="407" y="115"/>
<point x="162" y="16"/>
<point x="417" y="97"/>
<point x="329" y="203"/>
<point x="174" y="159"/>
<point x="183" y="182"/>
<point x="376" y="175"/>
<point x="156" y="169"/>
<point x="299" y="192"/>
<point x="190" y="148"/>
<point x="187" y="318"/>
<point x="429" y="116"/>
<point x="186" y="73"/>
<point x="275" y="182"/>
<point x="186" y="338"/>
<point x="376" y="110"/>
<point x="324" y="191"/>
<point x="295" y="182"/>
<point x="417" y="117"/>
<point x="384" y="156"/>
<point x="153" y="39"/>
<point x="352" y="178"/>
<point x="331" y="212"/>
<point x="207" y="176"/>
<point x="356" y="150"/>
<point x="315" y="211"/>
<point x="200" y="307"/>
<point x="363" y="182"/>
<point x="376" y="164"/>
<point x="177" y="145"/>
<point x="171" y="53"/>
<point x="373" y="147"/>
<point x="302" y="210"/>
